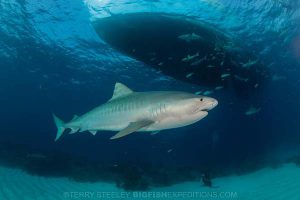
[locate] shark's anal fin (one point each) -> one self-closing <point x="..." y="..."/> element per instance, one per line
<point x="132" y="127"/>
<point x="74" y="130"/>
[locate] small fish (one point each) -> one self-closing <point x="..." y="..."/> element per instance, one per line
<point x="225" y="75"/>
<point x="199" y="92"/>
<point x="256" y="85"/>
<point x="232" y="49"/>
<point x="252" y="110"/>
<point x="169" y="150"/>
<point x="45" y="76"/>
<point x="219" y="88"/>
<point x="73" y="81"/>
<point x="199" y="61"/>
<point x="189" y="57"/>
<point x="276" y="77"/>
<point x="190" y="37"/>
<point x="208" y="92"/>
<point x="189" y="75"/>
<point x="249" y="64"/>
<point x="241" y="78"/>
<point x="160" y="64"/>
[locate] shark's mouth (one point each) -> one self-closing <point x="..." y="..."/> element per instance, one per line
<point x="204" y="112"/>
<point x="205" y="109"/>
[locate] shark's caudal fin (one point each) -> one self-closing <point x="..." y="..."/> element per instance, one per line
<point x="60" y="127"/>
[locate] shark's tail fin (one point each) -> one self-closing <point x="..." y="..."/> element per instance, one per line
<point x="60" y="127"/>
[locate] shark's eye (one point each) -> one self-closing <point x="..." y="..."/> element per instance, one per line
<point x="201" y="99"/>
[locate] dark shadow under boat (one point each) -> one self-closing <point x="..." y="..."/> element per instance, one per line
<point x="185" y="49"/>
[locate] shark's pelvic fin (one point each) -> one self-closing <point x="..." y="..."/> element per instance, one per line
<point x="93" y="132"/>
<point x="121" y="90"/>
<point x="154" y="132"/>
<point x="60" y="127"/>
<point x="132" y="127"/>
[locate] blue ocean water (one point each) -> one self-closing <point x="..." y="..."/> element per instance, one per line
<point x="53" y="61"/>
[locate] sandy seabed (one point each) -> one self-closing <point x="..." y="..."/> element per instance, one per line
<point x="275" y="184"/>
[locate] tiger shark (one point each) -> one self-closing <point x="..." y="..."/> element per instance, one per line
<point x="128" y="111"/>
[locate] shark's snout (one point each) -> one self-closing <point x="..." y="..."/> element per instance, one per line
<point x="210" y="103"/>
<point x="214" y="103"/>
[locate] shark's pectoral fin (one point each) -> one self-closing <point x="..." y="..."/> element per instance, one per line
<point x="132" y="127"/>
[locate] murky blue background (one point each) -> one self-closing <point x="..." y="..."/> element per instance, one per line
<point x="52" y="61"/>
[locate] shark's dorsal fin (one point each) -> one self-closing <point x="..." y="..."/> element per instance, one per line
<point x="120" y="90"/>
